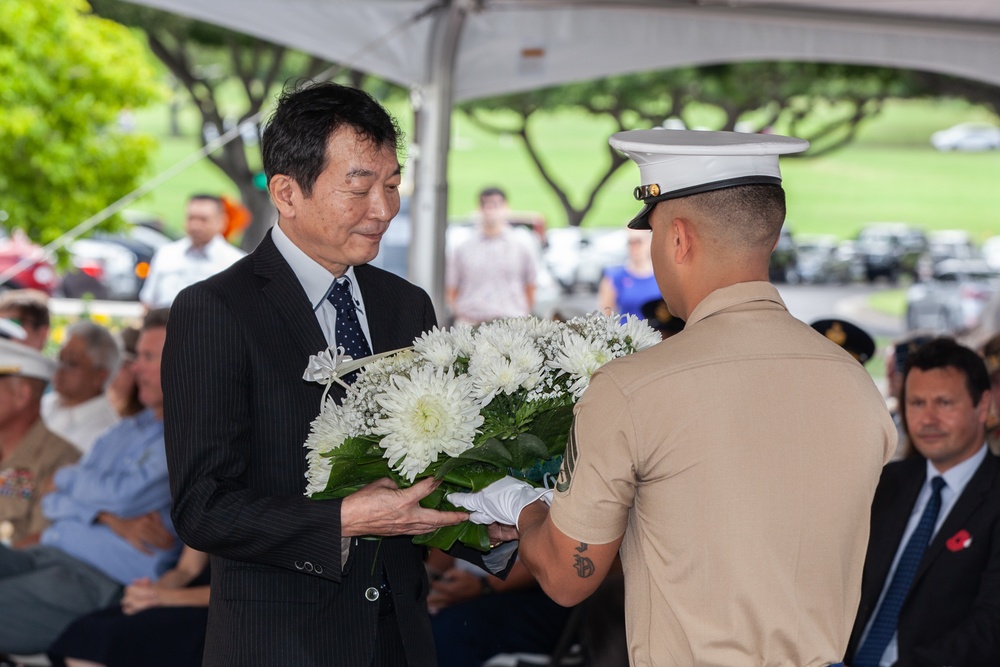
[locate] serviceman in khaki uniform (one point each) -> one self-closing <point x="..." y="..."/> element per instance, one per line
<point x="29" y="453"/>
<point x="733" y="464"/>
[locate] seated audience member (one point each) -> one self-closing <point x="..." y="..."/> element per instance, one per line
<point x="110" y="522"/>
<point x="930" y="593"/>
<point x="991" y="356"/>
<point x="29" y="453"/>
<point x="77" y="409"/>
<point x="30" y="310"/>
<point x="658" y="316"/>
<point x="122" y="391"/>
<point x="475" y="615"/>
<point x="157" y="624"/>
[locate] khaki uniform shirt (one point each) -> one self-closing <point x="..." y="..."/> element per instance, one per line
<point x="24" y="472"/>
<point x="739" y="459"/>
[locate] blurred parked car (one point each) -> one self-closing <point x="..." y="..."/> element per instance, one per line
<point x="991" y="251"/>
<point x="890" y="249"/>
<point x="822" y="259"/>
<point x="36" y="271"/>
<point x="945" y="244"/>
<point x="954" y="297"/>
<point x="783" y="266"/>
<point x="114" y="265"/>
<point x="600" y="249"/>
<point x="562" y="255"/>
<point x="967" y="137"/>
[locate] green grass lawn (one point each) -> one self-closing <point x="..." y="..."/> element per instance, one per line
<point x="890" y="173"/>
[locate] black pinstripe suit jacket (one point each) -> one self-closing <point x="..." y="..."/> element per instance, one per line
<point x="236" y="415"/>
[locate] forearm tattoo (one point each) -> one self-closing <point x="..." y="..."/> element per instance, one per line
<point x="584" y="566"/>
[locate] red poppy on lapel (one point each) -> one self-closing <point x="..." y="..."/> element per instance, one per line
<point x="960" y="540"/>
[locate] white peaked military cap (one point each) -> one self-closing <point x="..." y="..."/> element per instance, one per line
<point x="679" y="163"/>
<point x="19" y="359"/>
<point x="11" y="330"/>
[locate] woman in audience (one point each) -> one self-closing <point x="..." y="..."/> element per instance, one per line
<point x="159" y="624"/>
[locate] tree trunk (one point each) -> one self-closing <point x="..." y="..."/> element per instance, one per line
<point x="263" y="211"/>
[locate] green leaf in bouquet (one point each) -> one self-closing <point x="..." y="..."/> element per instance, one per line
<point x="474" y="475"/>
<point x="552" y="428"/>
<point x="526" y="450"/>
<point x="491" y="451"/>
<point x="349" y="475"/>
<point x="468" y="533"/>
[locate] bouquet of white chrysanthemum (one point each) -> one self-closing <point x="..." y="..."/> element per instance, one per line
<point x="467" y="405"/>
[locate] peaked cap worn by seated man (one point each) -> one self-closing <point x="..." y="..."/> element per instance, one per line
<point x="849" y="336"/>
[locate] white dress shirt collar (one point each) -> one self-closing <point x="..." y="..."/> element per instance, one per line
<point x="315" y="280"/>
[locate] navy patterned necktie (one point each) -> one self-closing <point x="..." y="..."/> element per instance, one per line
<point x="349" y="334"/>
<point x="884" y="626"/>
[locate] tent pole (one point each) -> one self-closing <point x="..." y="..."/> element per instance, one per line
<point x="430" y="206"/>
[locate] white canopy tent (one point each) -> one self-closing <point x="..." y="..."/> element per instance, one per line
<point x="453" y="50"/>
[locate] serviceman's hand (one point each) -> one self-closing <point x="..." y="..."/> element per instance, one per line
<point x="501" y="501"/>
<point x="382" y="508"/>
<point x="145" y="532"/>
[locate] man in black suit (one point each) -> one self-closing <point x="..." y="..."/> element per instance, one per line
<point x="946" y="610"/>
<point x="295" y="581"/>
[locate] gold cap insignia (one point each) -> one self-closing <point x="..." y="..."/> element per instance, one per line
<point x="837" y="334"/>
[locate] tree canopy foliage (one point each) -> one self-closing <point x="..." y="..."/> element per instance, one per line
<point x="65" y="76"/>
<point x="824" y="103"/>
<point x="204" y="58"/>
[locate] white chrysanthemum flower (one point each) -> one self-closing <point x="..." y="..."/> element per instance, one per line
<point x="438" y="347"/>
<point x="641" y="334"/>
<point x="426" y="414"/>
<point x="464" y="336"/>
<point x="493" y="373"/>
<point x="328" y="431"/>
<point x="580" y="357"/>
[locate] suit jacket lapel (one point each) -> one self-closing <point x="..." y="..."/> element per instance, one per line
<point x="888" y="537"/>
<point x="286" y="295"/>
<point x="974" y="494"/>
<point x="379" y="319"/>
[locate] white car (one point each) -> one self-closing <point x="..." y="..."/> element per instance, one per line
<point x="967" y="137"/>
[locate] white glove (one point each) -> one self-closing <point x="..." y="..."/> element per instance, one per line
<point x="501" y="501"/>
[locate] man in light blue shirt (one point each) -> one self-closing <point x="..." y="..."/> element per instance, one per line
<point x="110" y="522"/>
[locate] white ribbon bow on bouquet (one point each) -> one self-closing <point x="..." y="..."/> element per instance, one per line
<point x="329" y="367"/>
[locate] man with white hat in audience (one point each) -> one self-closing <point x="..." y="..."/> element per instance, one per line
<point x="29" y="453"/>
<point x="733" y="464"/>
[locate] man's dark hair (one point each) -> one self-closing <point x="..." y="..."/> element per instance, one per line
<point x="491" y="192"/>
<point x="294" y="140"/>
<point x="200" y="196"/>
<point x="27" y="306"/>
<point x="946" y="353"/>
<point x="748" y="215"/>
<point x="156" y="319"/>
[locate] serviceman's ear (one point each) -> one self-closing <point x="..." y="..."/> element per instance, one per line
<point x="683" y="240"/>
<point x="285" y="193"/>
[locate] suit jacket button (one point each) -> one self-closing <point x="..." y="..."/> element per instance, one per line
<point x="318" y="569"/>
<point x="371" y="594"/>
<point x="308" y="566"/>
<point x="298" y="565"/>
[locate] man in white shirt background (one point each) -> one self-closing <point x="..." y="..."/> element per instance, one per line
<point x="78" y="409"/>
<point x="202" y="253"/>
